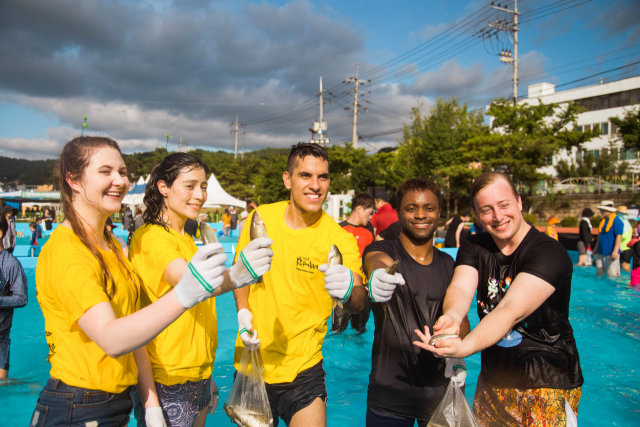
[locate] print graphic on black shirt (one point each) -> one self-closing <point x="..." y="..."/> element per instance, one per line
<point x="540" y="351"/>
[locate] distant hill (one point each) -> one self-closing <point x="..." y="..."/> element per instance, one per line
<point x="27" y="171"/>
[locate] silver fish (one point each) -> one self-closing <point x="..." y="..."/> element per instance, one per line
<point x="245" y="418"/>
<point x="433" y="339"/>
<point x="257" y="229"/>
<point x="335" y="258"/>
<point x="207" y="235"/>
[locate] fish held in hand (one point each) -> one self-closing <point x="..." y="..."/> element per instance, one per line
<point x="207" y="235"/>
<point x="435" y="338"/>
<point x="247" y="418"/>
<point x="335" y="258"/>
<point x="257" y="228"/>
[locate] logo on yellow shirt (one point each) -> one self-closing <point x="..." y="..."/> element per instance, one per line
<point x="305" y="265"/>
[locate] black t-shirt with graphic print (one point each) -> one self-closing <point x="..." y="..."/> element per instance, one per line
<point x="540" y="351"/>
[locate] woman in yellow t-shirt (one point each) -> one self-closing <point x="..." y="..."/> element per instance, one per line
<point x="89" y="295"/>
<point x="182" y="356"/>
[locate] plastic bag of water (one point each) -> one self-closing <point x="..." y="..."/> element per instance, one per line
<point x="248" y="403"/>
<point x="453" y="410"/>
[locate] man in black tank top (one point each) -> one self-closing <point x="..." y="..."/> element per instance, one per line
<point x="522" y="279"/>
<point x="407" y="383"/>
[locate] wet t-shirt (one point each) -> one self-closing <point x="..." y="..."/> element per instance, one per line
<point x="540" y="351"/>
<point x="405" y="379"/>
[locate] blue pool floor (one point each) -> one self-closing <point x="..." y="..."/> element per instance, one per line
<point x="605" y="314"/>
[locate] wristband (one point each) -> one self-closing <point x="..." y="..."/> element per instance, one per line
<point x="371" y="298"/>
<point x="248" y="266"/>
<point x="455" y="367"/>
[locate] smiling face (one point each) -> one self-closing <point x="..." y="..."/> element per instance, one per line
<point x="419" y="213"/>
<point x="499" y="210"/>
<point x="309" y="183"/>
<point x="103" y="184"/>
<point x="187" y="194"/>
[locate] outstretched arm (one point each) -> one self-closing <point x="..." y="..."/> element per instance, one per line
<point x="525" y="295"/>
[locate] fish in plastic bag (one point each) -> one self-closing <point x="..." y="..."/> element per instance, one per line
<point x="248" y="404"/>
<point x="453" y="410"/>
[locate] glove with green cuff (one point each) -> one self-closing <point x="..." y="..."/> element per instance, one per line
<point x="455" y="369"/>
<point x="253" y="262"/>
<point x="338" y="281"/>
<point x="204" y="273"/>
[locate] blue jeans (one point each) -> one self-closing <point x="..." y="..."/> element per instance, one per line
<point x="60" y="404"/>
<point x="377" y="418"/>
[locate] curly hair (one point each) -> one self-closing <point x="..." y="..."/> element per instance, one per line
<point x="418" y="184"/>
<point x="167" y="171"/>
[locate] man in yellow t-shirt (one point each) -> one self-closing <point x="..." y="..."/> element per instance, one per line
<point x="290" y="308"/>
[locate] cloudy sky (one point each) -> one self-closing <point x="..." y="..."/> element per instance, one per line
<point x="140" y="69"/>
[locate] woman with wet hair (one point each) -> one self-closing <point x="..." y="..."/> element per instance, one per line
<point x="182" y="357"/>
<point x="89" y="294"/>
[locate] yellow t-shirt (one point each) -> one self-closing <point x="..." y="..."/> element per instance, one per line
<point x="291" y="307"/>
<point x="186" y="349"/>
<point x="68" y="283"/>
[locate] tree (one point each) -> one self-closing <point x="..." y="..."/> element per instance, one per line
<point x="234" y="181"/>
<point x="269" y="187"/>
<point x="431" y="143"/>
<point x="524" y="137"/>
<point x="629" y="128"/>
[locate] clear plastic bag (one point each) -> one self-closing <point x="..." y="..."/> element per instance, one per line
<point x="247" y="404"/>
<point x="453" y="410"/>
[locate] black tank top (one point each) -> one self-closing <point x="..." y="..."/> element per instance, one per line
<point x="405" y="379"/>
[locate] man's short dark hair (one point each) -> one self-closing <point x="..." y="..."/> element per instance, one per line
<point x="302" y="150"/>
<point x="465" y="213"/>
<point x="7" y="208"/>
<point x="4" y="225"/>
<point x="362" y="199"/>
<point x="418" y="184"/>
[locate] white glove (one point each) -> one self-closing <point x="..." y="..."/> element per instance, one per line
<point x="204" y="273"/>
<point x="154" y="417"/>
<point x="253" y="262"/>
<point x="245" y="326"/>
<point x="455" y="369"/>
<point x="338" y="281"/>
<point x="213" y="390"/>
<point x="382" y="285"/>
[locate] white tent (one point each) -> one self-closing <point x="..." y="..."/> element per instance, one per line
<point x="135" y="195"/>
<point x="216" y="196"/>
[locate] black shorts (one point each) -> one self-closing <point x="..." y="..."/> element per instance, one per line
<point x="626" y="256"/>
<point x="286" y="399"/>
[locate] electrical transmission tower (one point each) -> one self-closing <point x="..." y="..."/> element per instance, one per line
<point x="237" y="125"/>
<point x="182" y="144"/>
<point x="356" y="104"/>
<point x="510" y="27"/>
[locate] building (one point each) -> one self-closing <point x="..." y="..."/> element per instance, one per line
<point x="602" y="101"/>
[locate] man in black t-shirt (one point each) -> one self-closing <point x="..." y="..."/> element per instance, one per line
<point x="407" y="384"/>
<point x="456" y="225"/>
<point x="530" y="363"/>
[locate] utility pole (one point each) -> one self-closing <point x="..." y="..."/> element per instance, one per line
<point x="182" y="144"/>
<point x="512" y="29"/>
<point x="237" y="125"/>
<point x="357" y="82"/>
<point x="321" y="126"/>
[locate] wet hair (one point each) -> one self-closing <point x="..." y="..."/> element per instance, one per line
<point x="302" y="150"/>
<point x="167" y="171"/>
<point x="418" y="184"/>
<point x="362" y="199"/>
<point x="485" y="180"/>
<point x="33" y="225"/>
<point x="4" y="226"/>
<point x="73" y="162"/>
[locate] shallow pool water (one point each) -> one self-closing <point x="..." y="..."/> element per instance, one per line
<point x="605" y="314"/>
